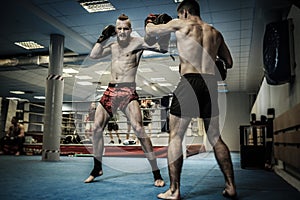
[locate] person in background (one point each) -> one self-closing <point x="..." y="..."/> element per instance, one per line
<point x="113" y="126"/>
<point x="89" y="120"/>
<point x="146" y="105"/>
<point x="14" y="139"/>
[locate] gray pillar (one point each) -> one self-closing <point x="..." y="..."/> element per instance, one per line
<point x="54" y="100"/>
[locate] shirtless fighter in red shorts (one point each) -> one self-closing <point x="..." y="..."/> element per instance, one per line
<point x="121" y="94"/>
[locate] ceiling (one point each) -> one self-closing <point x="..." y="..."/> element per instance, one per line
<point x="242" y="23"/>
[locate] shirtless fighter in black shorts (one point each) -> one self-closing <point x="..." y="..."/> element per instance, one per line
<point x="121" y="94"/>
<point x="199" y="46"/>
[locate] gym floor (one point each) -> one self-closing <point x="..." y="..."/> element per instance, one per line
<point x="28" y="177"/>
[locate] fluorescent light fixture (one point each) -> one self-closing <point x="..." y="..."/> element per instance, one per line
<point x="145" y="82"/>
<point x="145" y="70"/>
<point x="17" y="92"/>
<point x="39" y="97"/>
<point x="153" y="87"/>
<point x="66" y="75"/>
<point x="159" y="79"/>
<point x="100" y="90"/>
<point x="164" y="84"/>
<point x="148" y="53"/>
<point x="222" y="83"/>
<point x="223" y="91"/>
<point x="178" y="1"/>
<point x="29" y="45"/>
<point x="70" y="71"/>
<point x="83" y="77"/>
<point x="102" y="72"/>
<point x="13" y="98"/>
<point x="96" y="6"/>
<point x="84" y="83"/>
<point x="174" y="68"/>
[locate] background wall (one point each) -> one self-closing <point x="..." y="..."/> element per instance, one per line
<point x="282" y="97"/>
<point x="238" y="109"/>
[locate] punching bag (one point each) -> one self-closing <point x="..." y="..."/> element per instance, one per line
<point x="277" y="52"/>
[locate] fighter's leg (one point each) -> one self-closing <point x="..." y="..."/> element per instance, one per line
<point x="101" y="119"/>
<point x="222" y="155"/>
<point x="178" y="127"/>
<point x="118" y="136"/>
<point x="133" y="113"/>
<point x="111" y="137"/>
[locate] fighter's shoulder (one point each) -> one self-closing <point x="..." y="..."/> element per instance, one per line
<point x="137" y="39"/>
<point x="214" y="31"/>
<point x="177" y="23"/>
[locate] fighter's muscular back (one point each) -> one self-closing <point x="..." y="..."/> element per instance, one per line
<point x="198" y="44"/>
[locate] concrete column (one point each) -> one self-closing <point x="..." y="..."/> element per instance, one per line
<point x="54" y="100"/>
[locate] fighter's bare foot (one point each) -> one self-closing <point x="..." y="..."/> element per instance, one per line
<point x="91" y="178"/>
<point x="159" y="183"/>
<point x="158" y="180"/>
<point x="169" y="195"/>
<point x="229" y="192"/>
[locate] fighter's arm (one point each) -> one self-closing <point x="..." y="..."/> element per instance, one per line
<point x="161" y="40"/>
<point x="159" y="30"/>
<point x="22" y="131"/>
<point x="224" y="53"/>
<point x="101" y="50"/>
<point x="161" y="45"/>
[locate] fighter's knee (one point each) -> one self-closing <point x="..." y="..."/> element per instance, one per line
<point x="213" y="138"/>
<point x="98" y="129"/>
<point x="139" y="131"/>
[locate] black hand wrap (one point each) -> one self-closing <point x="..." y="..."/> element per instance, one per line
<point x="107" y="32"/>
<point x="162" y="19"/>
<point x="155" y="19"/>
<point x="150" y="18"/>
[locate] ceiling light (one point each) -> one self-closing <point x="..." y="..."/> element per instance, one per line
<point x="70" y="71"/>
<point x="159" y="79"/>
<point x="13" y="98"/>
<point x="222" y="83"/>
<point x="96" y="6"/>
<point x="102" y="72"/>
<point x="39" y="97"/>
<point x="223" y="90"/>
<point x="29" y="45"/>
<point x="145" y="70"/>
<point x="17" y="92"/>
<point x="153" y="88"/>
<point x="148" y="53"/>
<point x="66" y="75"/>
<point x="174" y="68"/>
<point x="84" y="83"/>
<point x="145" y="82"/>
<point x="165" y="84"/>
<point x="178" y="1"/>
<point x="83" y="77"/>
